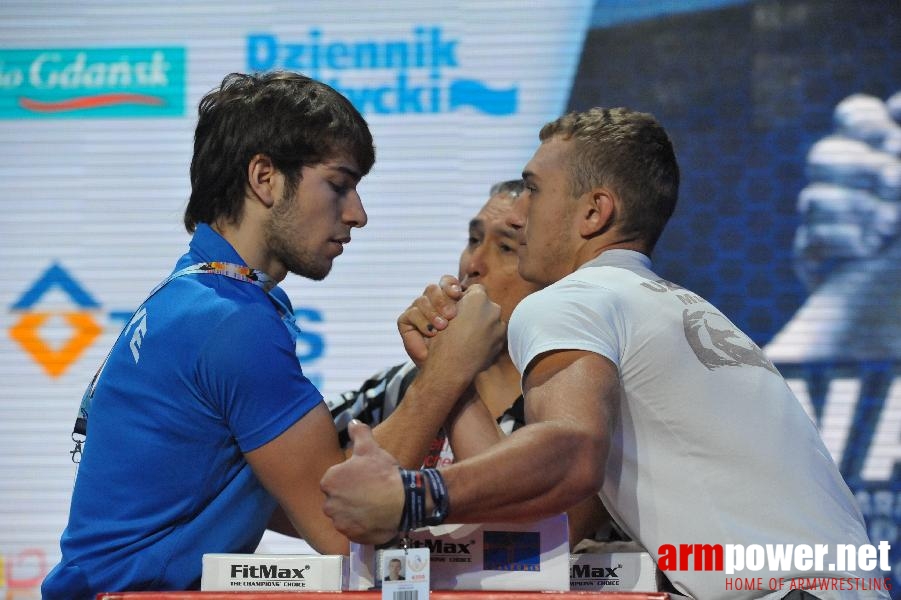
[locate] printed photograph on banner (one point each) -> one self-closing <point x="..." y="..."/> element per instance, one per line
<point x="405" y="574"/>
<point x="800" y="205"/>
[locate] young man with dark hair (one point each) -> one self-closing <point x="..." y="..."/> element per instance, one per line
<point x="203" y="428"/>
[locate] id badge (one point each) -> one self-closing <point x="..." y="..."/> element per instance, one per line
<point x="405" y="574"/>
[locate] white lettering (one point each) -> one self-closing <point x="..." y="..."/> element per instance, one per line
<point x="803" y="557"/>
<point x="884" y="548"/>
<point x="35" y="77"/>
<point x="779" y="555"/>
<point x="821" y="551"/>
<point x="137" y="337"/>
<point x="755" y="557"/>
<point x="11" y="78"/>
<point x="866" y="557"/>
<point x="154" y="72"/>
<point x="847" y="557"/>
<point x="734" y="557"/>
<point x="885" y="447"/>
<point x="49" y="71"/>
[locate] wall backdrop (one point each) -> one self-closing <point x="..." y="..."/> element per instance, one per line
<point x="784" y="115"/>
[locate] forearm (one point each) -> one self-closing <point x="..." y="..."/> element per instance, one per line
<point x="408" y="433"/>
<point x="540" y="470"/>
<point x="295" y="483"/>
<point x="586" y="518"/>
<point x="280" y="523"/>
<point x="471" y="429"/>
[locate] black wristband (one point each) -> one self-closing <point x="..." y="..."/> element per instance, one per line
<point x="440" y="497"/>
<point x="413" y="514"/>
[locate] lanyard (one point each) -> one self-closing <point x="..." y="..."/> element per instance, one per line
<point x="238" y="272"/>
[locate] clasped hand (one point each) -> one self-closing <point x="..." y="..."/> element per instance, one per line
<point x="452" y="335"/>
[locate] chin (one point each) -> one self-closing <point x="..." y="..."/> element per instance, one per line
<point x="530" y="275"/>
<point x="314" y="272"/>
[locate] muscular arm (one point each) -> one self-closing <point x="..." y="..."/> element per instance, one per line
<point x="411" y="428"/>
<point x="554" y="462"/>
<point x="291" y="465"/>
<point x="463" y="349"/>
<point x="406" y="435"/>
<point x="585" y="519"/>
<point x="542" y="469"/>
<point x="472" y="429"/>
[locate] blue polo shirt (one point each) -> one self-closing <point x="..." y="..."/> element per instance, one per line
<point x="163" y="478"/>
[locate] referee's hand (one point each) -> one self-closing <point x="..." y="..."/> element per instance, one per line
<point x="427" y="315"/>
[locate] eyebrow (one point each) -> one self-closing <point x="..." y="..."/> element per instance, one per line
<point x="505" y="231"/>
<point x="528" y="175"/>
<point x="348" y="171"/>
<point x="502" y="230"/>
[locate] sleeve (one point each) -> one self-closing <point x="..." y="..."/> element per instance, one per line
<point x="374" y="401"/>
<point x="569" y="315"/>
<point x="249" y="371"/>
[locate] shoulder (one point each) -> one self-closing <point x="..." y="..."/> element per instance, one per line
<point x="582" y="311"/>
<point x="571" y="295"/>
<point x="215" y="301"/>
<point x="238" y="330"/>
<point x="210" y="294"/>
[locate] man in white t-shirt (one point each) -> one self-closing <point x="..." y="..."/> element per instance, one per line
<point x="635" y="389"/>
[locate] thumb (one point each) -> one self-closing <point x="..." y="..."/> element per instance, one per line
<point x="450" y="285"/>
<point x="361" y="437"/>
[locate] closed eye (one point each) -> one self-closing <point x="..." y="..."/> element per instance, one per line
<point x="338" y="189"/>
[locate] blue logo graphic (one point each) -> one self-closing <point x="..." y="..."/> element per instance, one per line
<point x="411" y="72"/>
<point x="469" y="92"/>
<point x="55" y="276"/>
<point x="512" y="551"/>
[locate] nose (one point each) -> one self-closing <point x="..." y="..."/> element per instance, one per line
<point x="516" y="216"/>
<point x="475" y="263"/>
<point x="472" y="265"/>
<point x="354" y="213"/>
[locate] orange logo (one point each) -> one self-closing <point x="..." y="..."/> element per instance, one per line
<point x="27" y="331"/>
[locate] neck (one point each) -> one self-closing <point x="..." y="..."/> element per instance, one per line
<point x="246" y="238"/>
<point x="498" y="385"/>
<point x="597" y="246"/>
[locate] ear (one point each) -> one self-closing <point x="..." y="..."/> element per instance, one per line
<point x="598" y="212"/>
<point x="262" y="180"/>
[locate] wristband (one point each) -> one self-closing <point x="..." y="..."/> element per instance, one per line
<point x="413" y="514"/>
<point x="440" y="497"/>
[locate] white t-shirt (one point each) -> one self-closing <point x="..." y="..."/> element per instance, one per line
<point x="710" y="446"/>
